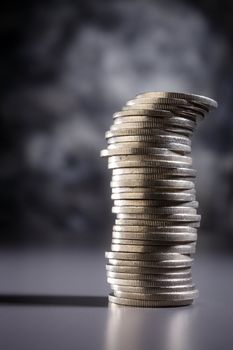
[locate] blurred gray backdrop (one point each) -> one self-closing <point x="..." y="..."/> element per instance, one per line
<point x="66" y="66"/>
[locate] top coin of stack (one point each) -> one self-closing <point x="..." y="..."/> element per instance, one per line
<point x="155" y="231"/>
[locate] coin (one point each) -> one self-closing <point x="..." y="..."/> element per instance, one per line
<point x="148" y="303"/>
<point x="165" y="210"/>
<point x="149" y="229"/>
<point x="150" y="283"/>
<point x="153" y="290"/>
<point x="158" y="296"/>
<point x="154" y="172"/>
<point x="148" y="270"/>
<point x="154" y="249"/>
<point x="150" y="277"/>
<point x="184" y="261"/>
<point x="142" y="203"/>
<point x="154" y="238"/>
<point x="206" y="101"/>
<point x="146" y="242"/>
<point x="177" y="183"/>
<point x="155" y="223"/>
<point x="144" y="256"/>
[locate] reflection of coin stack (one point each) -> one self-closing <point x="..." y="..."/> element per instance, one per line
<point x="155" y="231"/>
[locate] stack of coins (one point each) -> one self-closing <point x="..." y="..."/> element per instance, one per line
<point x="155" y="231"/>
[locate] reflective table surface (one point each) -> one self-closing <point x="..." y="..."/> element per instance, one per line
<point x="57" y="299"/>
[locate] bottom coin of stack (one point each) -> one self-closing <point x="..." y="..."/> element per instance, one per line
<point x="155" y="231"/>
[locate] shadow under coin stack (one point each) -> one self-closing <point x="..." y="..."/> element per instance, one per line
<point x="155" y="231"/>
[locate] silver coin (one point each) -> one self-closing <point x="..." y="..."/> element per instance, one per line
<point x="177" y="183"/>
<point x="148" y="270"/>
<point x="160" y="138"/>
<point x="161" y="217"/>
<point x="146" y="241"/>
<point x="155" y="223"/>
<point x="150" y="283"/>
<point x="153" y="197"/>
<point x="149" y="229"/>
<point x="189" y="248"/>
<point x="185" y="261"/>
<point x="144" y="256"/>
<point x="154" y="113"/>
<point x="187" y="295"/>
<point x="154" y="290"/>
<point x="150" y="177"/>
<point x="147" y="303"/>
<point x="151" y="157"/>
<point x="154" y="123"/>
<point x="161" y="121"/>
<point x="157" y="100"/>
<point x="154" y="203"/>
<point x="141" y="151"/>
<point x="157" y="134"/>
<point x="166" y="210"/>
<point x="154" y="238"/>
<point x="206" y="101"/>
<point x="154" y="172"/>
<point x="148" y="190"/>
<point x="147" y="164"/>
<point x="147" y="277"/>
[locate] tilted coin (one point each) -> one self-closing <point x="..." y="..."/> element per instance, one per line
<point x="185" y="261"/>
<point x="162" y="121"/>
<point x="150" y="157"/>
<point x="158" y="296"/>
<point x="144" y="256"/>
<point x="139" y="145"/>
<point x="206" y="101"/>
<point x="154" y="172"/>
<point x="151" y="277"/>
<point x="156" y="133"/>
<point x="147" y="163"/>
<point x="150" y="283"/>
<point x="154" y="249"/>
<point x="158" y="113"/>
<point x="154" y="290"/>
<point x="145" y="242"/>
<point x="154" y="203"/>
<point x="160" y="196"/>
<point x="156" y="223"/>
<point x="158" y="100"/>
<point x="158" y="137"/>
<point x="148" y="303"/>
<point x="154" y="123"/>
<point x="155" y="238"/>
<point x="140" y="151"/>
<point x="148" y="270"/>
<point x="177" y="183"/>
<point x="148" y="190"/>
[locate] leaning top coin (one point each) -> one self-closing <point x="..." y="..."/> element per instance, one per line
<point x="190" y="97"/>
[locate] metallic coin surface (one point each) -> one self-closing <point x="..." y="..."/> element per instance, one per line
<point x="150" y="277"/>
<point x="145" y="256"/>
<point x="148" y="270"/>
<point x="184" y="261"/>
<point x="158" y="296"/>
<point x="154" y="238"/>
<point x="154" y="249"/>
<point x="148" y="303"/>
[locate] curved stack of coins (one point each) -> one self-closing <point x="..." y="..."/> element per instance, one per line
<point x="155" y="231"/>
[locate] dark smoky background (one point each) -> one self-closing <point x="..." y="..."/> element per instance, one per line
<point x="66" y="66"/>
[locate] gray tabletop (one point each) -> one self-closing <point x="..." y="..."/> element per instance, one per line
<point x="57" y="300"/>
